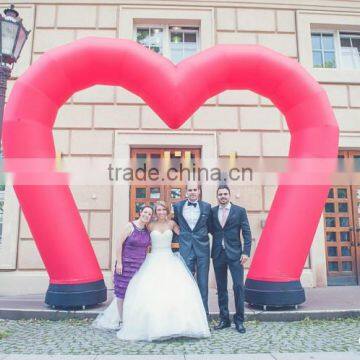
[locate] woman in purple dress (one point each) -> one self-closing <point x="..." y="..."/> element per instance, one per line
<point x="130" y="253"/>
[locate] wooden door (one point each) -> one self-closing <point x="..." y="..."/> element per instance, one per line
<point x="355" y="193"/>
<point x="169" y="162"/>
<point x="342" y="224"/>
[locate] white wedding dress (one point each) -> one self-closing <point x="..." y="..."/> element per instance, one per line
<point x="162" y="299"/>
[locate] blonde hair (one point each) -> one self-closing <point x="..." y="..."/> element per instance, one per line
<point x="162" y="204"/>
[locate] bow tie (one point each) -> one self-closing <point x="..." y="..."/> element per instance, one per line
<point x="189" y="203"/>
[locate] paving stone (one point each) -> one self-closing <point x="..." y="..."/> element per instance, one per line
<point x="318" y="356"/>
<point x="230" y="357"/>
<point x="49" y="357"/>
<point x="139" y="357"/>
<point x="77" y="337"/>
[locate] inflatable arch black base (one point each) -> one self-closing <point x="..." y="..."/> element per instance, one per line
<point x="65" y="296"/>
<point x="277" y="294"/>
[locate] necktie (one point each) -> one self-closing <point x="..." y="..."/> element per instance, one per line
<point x="223" y="217"/>
<point x="192" y="204"/>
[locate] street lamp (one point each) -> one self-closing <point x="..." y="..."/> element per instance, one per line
<point x="12" y="39"/>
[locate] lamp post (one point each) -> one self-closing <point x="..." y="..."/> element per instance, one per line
<point x="13" y="36"/>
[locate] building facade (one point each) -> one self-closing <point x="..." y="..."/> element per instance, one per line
<point x="106" y="122"/>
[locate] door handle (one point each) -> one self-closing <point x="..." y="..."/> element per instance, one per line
<point x="357" y="229"/>
<point x="350" y="238"/>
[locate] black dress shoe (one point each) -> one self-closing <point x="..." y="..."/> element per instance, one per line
<point x="223" y="324"/>
<point x="240" y="328"/>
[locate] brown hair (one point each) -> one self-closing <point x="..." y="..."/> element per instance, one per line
<point x="144" y="207"/>
<point x="222" y="187"/>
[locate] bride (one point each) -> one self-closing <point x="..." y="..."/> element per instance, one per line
<point x="162" y="299"/>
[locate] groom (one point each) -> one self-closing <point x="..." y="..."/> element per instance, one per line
<point x="193" y="217"/>
<point x="227" y="253"/>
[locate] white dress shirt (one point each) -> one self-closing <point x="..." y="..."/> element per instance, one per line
<point x="220" y="217"/>
<point x="191" y="214"/>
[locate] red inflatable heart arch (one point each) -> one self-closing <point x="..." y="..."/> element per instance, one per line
<point x="174" y="92"/>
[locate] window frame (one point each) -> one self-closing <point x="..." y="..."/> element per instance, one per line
<point x="354" y="33"/>
<point x="337" y="48"/>
<point x="150" y="26"/>
<point x="166" y="35"/>
<point x="186" y="30"/>
<point x="309" y="21"/>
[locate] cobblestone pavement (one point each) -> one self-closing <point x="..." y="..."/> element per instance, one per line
<point x="78" y="337"/>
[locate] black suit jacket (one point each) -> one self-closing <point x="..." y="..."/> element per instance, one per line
<point x="236" y="221"/>
<point x="199" y="236"/>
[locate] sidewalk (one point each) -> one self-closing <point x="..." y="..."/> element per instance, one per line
<point x="321" y="303"/>
<point x="270" y="356"/>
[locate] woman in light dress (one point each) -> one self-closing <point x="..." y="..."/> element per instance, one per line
<point x="162" y="299"/>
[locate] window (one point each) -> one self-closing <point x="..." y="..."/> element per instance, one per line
<point x="150" y="37"/>
<point x="174" y="42"/>
<point x="350" y="50"/>
<point x="335" y="49"/>
<point x="323" y="50"/>
<point x="183" y="43"/>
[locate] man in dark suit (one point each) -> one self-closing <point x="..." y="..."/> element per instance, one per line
<point x="227" y="221"/>
<point x="193" y="217"/>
